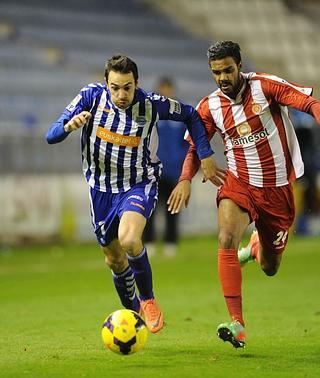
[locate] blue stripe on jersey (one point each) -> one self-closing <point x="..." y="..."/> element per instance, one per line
<point x="107" y="160"/>
<point x="148" y="163"/>
<point x="142" y="113"/>
<point x="134" y="151"/>
<point x="122" y="149"/>
<point x="96" y="152"/>
<point x="142" y="108"/>
<point x="108" y="145"/>
<point x="116" y="120"/>
<point x="141" y="116"/>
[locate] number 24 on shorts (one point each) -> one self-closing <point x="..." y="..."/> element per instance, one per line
<point x="281" y="237"/>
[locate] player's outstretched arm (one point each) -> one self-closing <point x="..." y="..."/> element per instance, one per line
<point x="60" y="129"/>
<point x="212" y="172"/>
<point x="179" y="197"/>
<point x="315" y="111"/>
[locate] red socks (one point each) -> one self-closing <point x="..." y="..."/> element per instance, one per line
<point x="230" y="277"/>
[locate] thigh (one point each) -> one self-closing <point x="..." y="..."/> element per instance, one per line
<point x="235" y="211"/>
<point x="276" y="216"/>
<point x="140" y="199"/>
<point x="233" y="221"/>
<point x="239" y="192"/>
<point x="131" y="225"/>
<point x="136" y="208"/>
<point x="104" y="215"/>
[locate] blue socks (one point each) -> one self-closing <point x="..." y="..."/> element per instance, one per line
<point x="142" y="273"/>
<point x="125" y="285"/>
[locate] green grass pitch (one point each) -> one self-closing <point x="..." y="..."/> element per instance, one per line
<point x="53" y="301"/>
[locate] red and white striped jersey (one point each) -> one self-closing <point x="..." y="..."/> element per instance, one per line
<point x="260" y="142"/>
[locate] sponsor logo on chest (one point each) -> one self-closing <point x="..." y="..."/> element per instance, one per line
<point x="116" y="138"/>
<point x="246" y="137"/>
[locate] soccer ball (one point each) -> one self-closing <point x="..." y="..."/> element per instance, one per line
<point x="124" y="332"/>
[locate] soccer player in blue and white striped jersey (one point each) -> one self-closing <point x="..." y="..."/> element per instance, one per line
<point x="119" y="144"/>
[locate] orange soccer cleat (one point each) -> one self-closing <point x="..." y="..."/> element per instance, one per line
<point x="152" y="315"/>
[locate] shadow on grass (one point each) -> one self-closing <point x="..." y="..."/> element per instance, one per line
<point x="249" y="355"/>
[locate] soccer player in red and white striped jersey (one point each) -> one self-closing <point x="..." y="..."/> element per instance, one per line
<point x="249" y="111"/>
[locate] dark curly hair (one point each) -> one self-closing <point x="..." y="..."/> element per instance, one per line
<point x="224" y="49"/>
<point x="121" y="63"/>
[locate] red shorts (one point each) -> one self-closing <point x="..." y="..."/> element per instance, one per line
<point x="272" y="209"/>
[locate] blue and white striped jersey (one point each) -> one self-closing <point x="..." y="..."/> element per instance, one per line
<point x="119" y="146"/>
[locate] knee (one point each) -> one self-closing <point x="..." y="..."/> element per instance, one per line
<point x="115" y="259"/>
<point x="131" y="244"/>
<point x="227" y="240"/>
<point x="270" y="270"/>
<point x="116" y="263"/>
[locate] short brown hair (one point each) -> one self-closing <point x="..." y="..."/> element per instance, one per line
<point x="224" y="49"/>
<point x="121" y="63"/>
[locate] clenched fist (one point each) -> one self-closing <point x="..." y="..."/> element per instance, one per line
<point x="77" y="121"/>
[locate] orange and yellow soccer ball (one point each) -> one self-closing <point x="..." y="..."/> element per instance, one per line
<point x="124" y="332"/>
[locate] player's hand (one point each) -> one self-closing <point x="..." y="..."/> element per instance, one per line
<point x="179" y="197"/>
<point x="77" y="121"/>
<point x="212" y="172"/>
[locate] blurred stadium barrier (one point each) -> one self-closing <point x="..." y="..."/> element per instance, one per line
<point x="278" y="36"/>
<point x="56" y="208"/>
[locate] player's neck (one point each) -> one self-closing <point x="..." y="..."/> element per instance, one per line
<point x="234" y="95"/>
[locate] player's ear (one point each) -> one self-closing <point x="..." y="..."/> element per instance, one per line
<point x="240" y="66"/>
